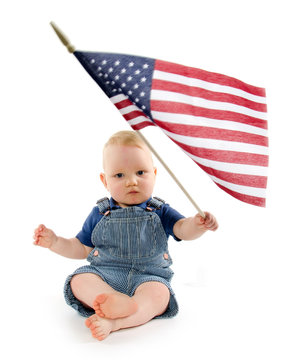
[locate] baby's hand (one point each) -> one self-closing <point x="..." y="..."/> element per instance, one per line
<point x="207" y="223"/>
<point x="44" y="237"/>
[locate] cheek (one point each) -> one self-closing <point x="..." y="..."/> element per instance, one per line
<point x="148" y="185"/>
<point x="115" y="187"/>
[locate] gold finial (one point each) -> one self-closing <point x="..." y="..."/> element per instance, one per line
<point x="64" y="39"/>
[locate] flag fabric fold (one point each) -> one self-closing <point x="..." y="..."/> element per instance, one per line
<point x="218" y="121"/>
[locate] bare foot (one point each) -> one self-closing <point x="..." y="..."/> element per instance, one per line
<point x="114" y="305"/>
<point x="99" y="327"/>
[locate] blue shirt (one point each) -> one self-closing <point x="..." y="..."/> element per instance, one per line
<point x="168" y="217"/>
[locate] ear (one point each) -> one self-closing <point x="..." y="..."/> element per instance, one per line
<point x="104" y="180"/>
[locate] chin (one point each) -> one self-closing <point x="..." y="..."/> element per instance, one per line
<point x="135" y="199"/>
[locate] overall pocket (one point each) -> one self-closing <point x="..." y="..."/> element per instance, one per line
<point x="130" y="238"/>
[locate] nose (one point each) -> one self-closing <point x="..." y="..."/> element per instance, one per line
<point x="131" y="181"/>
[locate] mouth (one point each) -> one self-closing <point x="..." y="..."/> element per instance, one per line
<point x="133" y="192"/>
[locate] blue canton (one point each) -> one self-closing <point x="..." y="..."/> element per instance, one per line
<point x="121" y="74"/>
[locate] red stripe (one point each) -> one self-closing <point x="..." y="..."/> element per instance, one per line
<point x="238" y="179"/>
<point x="134" y="114"/>
<point x="141" y="125"/>
<point x="213" y="133"/>
<point x="207" y="94"/>
<point x="179" y="108"/>
<point x="122" y="104"/>
<point x="253" y="200"/>
<point x="234" y="157"/>
<point x="208" y="76"/>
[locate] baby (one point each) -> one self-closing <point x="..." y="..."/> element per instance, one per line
<point x="125" y="241"/>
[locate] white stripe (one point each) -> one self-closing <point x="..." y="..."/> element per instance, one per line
<point x="246" y="190"/>
<point x="207" y="122"/>
<point x="139" y="120"/>
<point x="218" y="144"/>
<point x="128" y="109"/>
<point x="180" y="79"/>
<point x="118" y="98"/>
<point x="230" y="167"/>
<point x="162" y="95"/>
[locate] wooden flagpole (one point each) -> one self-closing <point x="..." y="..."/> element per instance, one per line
<point x="65" y="41"/>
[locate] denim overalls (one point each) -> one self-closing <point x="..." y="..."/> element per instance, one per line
<point x="130" y="249"/>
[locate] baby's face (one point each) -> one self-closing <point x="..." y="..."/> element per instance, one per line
<point x="129" y="174"/>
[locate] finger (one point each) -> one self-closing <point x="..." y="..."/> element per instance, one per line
<point x="41" y="227"/>
<point x="215" y="226"/>
<point x="38" y="230"/>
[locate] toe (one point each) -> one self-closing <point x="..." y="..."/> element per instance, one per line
<point x="101" y="298"/>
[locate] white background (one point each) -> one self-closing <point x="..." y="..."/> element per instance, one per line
<point x="241" y="290"/>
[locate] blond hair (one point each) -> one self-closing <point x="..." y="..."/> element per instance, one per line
<point x="125" y="138"/>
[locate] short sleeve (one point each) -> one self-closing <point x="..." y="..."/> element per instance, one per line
<point x="169" y="217"/>
<point x="91" y="221"/>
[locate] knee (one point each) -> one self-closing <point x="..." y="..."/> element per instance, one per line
<point x="158" y="293"/>
<point x="161" y="293"/>
<point x="78" y="282"/>
<point x="160" y="298"/>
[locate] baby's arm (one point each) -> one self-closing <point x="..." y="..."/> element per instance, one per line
<point x="70" y="248"/>
<point x="193" y="227"/>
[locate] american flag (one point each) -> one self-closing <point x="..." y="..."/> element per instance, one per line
<point x="218" y="121"/>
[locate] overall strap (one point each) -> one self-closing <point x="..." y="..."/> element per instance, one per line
<point x="103" y="205"/>
<point x="154" y="204"/>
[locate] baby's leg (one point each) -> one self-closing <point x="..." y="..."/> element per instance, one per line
<point x="152" y="299"/>
<point x="94" y="293"/>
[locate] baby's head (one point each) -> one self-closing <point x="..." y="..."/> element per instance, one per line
<point x="129" y="173"/>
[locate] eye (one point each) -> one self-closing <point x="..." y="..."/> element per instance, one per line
<point x="141" y="172"/>
<point x="119" y="175"/>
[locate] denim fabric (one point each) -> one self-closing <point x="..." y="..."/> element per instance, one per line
<point x="130" y="249"/>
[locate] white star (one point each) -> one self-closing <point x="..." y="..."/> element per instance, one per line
<point x="110" y="70"/>
<point x="99" y="74"/>
<point x="117" y="62"/>
<point x="123" y="70"/>
<point x="142" y="93"/>
<point x="129" y="78"/>
<point x="143" y="79"/>
<point x="99" y="68"/>
<point x="93" y="61"/>
<point x="105" y="76"/>
<point x="137" y="72"/>
<point x="137" y="100"/>
<point x="129" y="92"/>
<point x="135" y="86"/>
<point x="131" y="64"/>
<point x="145" y="66"/>
<point x="123" y="85"/>
<point x="103" y="62"/>
<point x="116" y="77"/>
<point x="143" y="107"/>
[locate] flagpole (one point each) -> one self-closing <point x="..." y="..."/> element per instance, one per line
<point x="65" y="41"/>
<point x="201" y="213"/>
